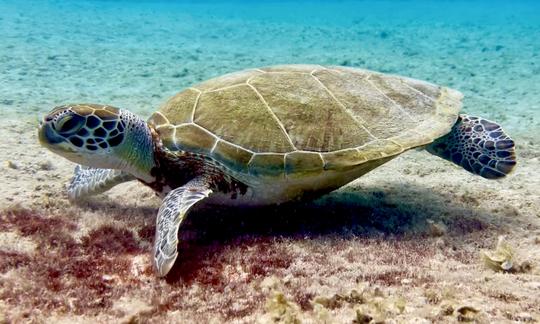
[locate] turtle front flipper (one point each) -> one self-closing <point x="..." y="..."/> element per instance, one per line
<point x="479" y="146"/>
<point x="170" y="216"/>
<point x="91" y="181"/>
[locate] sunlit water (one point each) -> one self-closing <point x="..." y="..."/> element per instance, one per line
<point x="135" y="54"/>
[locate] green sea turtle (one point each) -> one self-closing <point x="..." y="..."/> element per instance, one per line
<point x="268" y="136"/>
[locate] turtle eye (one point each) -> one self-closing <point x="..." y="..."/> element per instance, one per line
<point x="69" y="124"/>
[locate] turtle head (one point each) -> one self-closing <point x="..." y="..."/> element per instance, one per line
<point x="97" y="136"/>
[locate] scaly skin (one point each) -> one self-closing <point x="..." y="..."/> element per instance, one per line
<point x="100" y="137"/>
<point x="479" y="146"/>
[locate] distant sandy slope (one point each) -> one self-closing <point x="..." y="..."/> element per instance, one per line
<point x="401" y="243"/>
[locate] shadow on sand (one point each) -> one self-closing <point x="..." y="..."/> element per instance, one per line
<point x="399" y="212"/>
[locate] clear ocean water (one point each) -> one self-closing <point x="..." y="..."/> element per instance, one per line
<point x="135" y="54"/>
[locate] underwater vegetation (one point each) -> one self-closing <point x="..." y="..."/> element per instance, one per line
<point x="236" y="267"/>
<point x="64" y="273"/>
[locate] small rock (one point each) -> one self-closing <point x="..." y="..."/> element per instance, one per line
<point x="436" y="228"/>
<point x="107" y="277"/>
<point x="281" y="309"/>
<point x="11" y="165"/>
<point x="446" y="309"/>
<point x="355" y="297"/>
<point x="524" y="317"/>
<point x="269" y="284"/>
<point x="440" y="243"/>
<point x="362" y="318"/>
<point x="466" y="313"/>
<point x="329" y="303"/>
<point x="432" y="296"/>
<point x="46" y="165"/>
<point x="525" y="266"/>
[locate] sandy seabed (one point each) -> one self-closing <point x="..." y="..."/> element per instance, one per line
<point x="401" y="244"/>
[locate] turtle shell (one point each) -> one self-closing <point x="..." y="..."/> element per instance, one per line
<point x="295" y="119"/>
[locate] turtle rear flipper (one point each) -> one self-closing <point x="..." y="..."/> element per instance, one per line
<point x="479" y="146"/>
<point x="91" y="181"/>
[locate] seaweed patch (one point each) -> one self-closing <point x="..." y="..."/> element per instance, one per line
<point x="66" y="274"/>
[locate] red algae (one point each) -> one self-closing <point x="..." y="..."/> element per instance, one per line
<point x="224" y="261"/>
<point x="147" y="233"/>
<point x="10" y="260"/>
<point x="265" y="259"/>
<point x="29" y="222"/>
<point x="303" y="299"/>
<point x="111" y="240"/>
<point x="61" y="266"/>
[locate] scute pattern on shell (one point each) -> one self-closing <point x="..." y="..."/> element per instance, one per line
<point x="294" y="120"/>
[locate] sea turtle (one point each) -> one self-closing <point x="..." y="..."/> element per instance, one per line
<point x="268" y="136"/>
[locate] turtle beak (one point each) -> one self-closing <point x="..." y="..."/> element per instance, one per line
<point x="47" y="135"/>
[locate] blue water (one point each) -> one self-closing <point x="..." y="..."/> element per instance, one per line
<point x="135" y="54"/>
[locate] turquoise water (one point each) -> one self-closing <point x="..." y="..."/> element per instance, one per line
<point x="135" y="54"/>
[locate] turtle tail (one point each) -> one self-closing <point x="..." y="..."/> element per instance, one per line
<point x="479" y="146"/>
